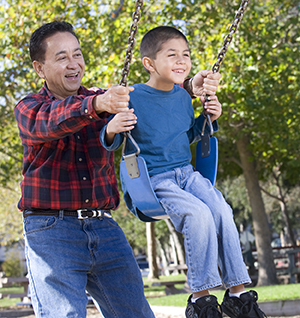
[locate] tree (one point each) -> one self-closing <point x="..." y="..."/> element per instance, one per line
<point x="151" y="242"/>
<point x="260" y="107"/>
<point x="259" y="93"/>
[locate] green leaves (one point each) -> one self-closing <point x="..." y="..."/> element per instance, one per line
<point x="259" y="90"/>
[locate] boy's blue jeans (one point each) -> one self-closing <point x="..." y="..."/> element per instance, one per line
<point x="200" y="212"/>
<point x="67" y="256"/>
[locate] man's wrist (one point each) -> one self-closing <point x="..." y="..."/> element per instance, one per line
<point x="96" y="105"/>
<point x="189" y="87"/>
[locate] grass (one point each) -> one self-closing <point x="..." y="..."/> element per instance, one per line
<point x="10" y="302"/>
<point x="156" y="295"/>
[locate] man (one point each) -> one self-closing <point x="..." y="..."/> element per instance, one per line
<point x="69" y="187"/>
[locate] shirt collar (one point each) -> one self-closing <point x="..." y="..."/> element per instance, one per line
<point x="45" y="91"/>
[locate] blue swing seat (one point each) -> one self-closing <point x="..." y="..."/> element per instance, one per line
<point x="136" y="185"/>
<point x="139" y="195"/>
<point x="208" y="165"/>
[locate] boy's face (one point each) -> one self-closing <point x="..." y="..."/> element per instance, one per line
<point x="171" y="65"/>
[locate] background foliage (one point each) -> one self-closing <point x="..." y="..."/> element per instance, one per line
<point x="259" y="89"/>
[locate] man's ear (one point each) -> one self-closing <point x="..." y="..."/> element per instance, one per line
<point x="39" y="68"/>
<point x="148" y="64"/>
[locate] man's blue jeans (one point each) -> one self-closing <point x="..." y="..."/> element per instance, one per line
<point x="200" y="212"/>
<point x="67" y="257"/>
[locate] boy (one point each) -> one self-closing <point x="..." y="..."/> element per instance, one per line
<point x="163" y="125"/>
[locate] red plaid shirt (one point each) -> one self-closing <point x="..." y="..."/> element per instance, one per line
<point x="65" y="166"/>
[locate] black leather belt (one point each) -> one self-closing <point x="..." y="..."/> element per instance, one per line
<point x="80" y="213"/>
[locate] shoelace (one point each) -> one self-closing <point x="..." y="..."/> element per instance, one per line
<point x="210" y="312"/>
<point x="251" y="304"/>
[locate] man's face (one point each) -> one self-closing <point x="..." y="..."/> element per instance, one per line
<point x="64" y="65"/>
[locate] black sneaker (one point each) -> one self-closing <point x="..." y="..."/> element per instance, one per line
<point x="243" y="307"/>
<point x="204" y="307"/>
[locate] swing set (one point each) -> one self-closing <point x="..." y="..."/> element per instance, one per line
<point x="135" y="181"/>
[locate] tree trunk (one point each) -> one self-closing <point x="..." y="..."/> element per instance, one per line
<point x="288" y="238"/>
<point x="177" y="237"/>
<point x="267" y="270"/>
<point x="164" y="260"/>
<point x="151" y="246"/>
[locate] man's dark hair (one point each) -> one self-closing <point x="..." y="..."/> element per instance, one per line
<point x="37" y="46"/>
<point x="155" y="38"/>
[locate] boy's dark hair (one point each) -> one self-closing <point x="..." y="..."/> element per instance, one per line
<point x="155" y="38"/>
<point x="37" y="47"/>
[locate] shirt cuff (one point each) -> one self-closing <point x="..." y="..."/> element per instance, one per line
<point x="116" y="143"/>
<point x="87" y="108"/>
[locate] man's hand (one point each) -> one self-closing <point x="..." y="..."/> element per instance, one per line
<point x="212" y="107"/>
<point x="205" y="82"/>
<point x="113" y="101"/>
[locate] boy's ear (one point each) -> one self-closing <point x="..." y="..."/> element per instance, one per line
<point x="38" y="67"/>
<point x="148" y="64"/>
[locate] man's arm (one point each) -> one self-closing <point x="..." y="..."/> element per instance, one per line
<point x="204" y="82"/>
<point x="41" y="119"/>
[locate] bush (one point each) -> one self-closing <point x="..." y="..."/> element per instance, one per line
<point x="12" y="266"/>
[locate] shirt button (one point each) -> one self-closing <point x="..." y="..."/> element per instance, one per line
<point x="80" y="159"/>
<point x="87" y="201"/>
<point x="86" y="111"/>
<point x="84" y="178"/>
<point x="78" y="137"/>
<point x="91" y="117"/>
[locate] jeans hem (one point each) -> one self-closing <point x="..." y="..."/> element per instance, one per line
<point x="242" y="282"/>
<point x="210" y="286"/>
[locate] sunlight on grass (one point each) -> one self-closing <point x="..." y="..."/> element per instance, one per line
<point x="156" y="295"/>
<point x="10" y="302"/>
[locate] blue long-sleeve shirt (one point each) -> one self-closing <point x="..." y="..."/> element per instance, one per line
<point x="165" y="127"/>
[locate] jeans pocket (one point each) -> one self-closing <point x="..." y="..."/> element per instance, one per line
<point x="36" y="223"/>
<point x="112" y="222"/>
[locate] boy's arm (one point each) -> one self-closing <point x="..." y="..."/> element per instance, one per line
<point x="110" y="136"/>
<point x="194" y="134"/>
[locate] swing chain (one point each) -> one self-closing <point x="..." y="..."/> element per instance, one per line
<point x="216" y="67"/>
<point x="131" y="41"/>
<point x="233" y="28"/>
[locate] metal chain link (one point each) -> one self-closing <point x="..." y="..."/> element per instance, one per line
<point x="131" y="41"/>
<point x="228" y="38"/>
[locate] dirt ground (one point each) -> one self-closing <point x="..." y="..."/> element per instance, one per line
<point x="159" y="312"/>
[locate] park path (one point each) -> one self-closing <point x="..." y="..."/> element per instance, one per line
<point x="162" y="312"/>
<point x="159" y="312"/>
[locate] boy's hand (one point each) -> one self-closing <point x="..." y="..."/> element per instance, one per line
<point x="205" y="82"/>
<point x="123" y="121"/>
<point x="212" y="107"/>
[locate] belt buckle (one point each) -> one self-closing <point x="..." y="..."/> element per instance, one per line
<point x="80" y="216"/>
